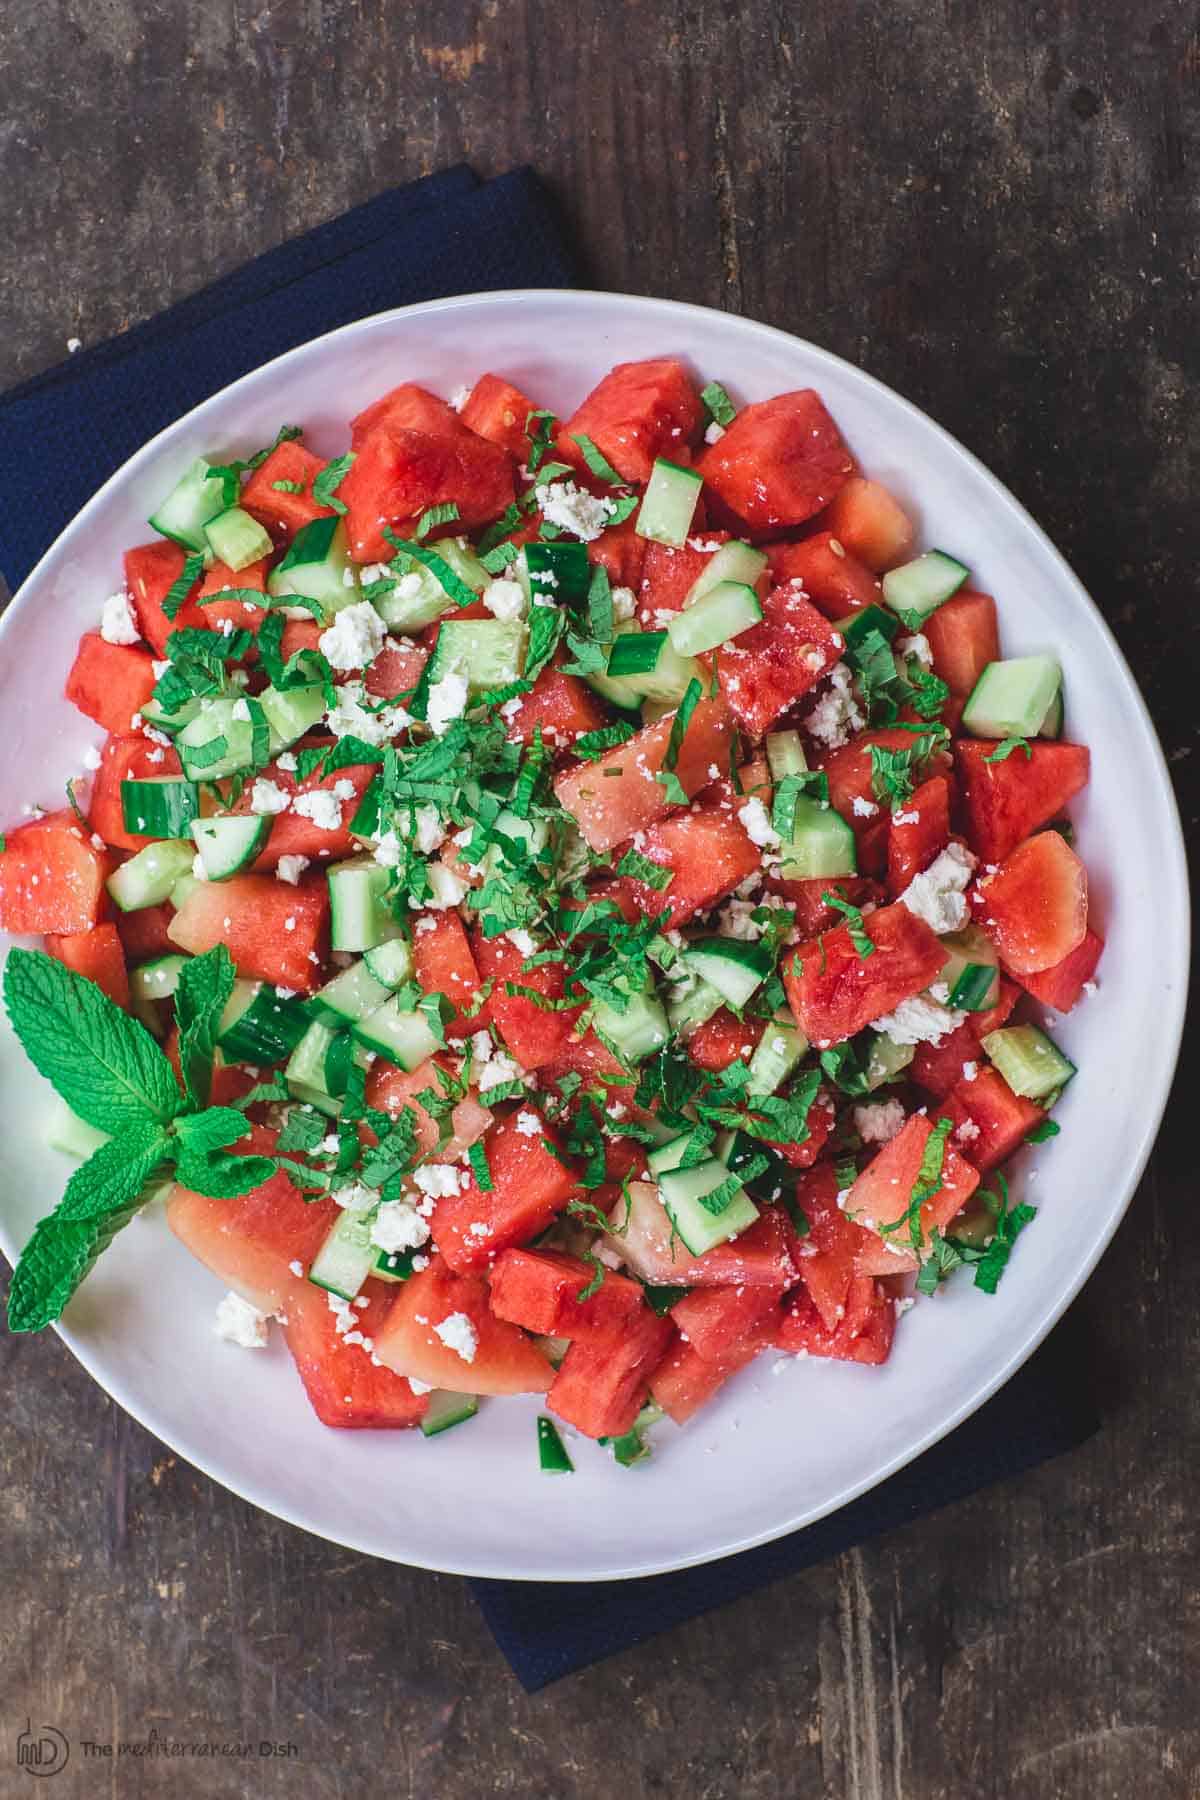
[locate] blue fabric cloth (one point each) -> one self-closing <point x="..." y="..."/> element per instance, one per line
<point x="547" y="1632"/>
<point x="64" y="432"/>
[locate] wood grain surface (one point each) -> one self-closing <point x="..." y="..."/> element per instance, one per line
<point x="992" y="205"/>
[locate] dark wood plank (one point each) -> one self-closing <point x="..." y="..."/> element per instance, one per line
<point x="993" y="207"/>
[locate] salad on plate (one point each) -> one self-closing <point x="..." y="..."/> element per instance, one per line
<point x="561" y="906"/>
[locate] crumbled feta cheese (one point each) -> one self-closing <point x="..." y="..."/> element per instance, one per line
<point x="240" y="710"/>
<point x="521" y="940"/>
<point x="240" y="1323"/>
<point x="572" y="509"/>
<point x="458" y="400"/>
<point x="917" y="645"/>
<point x="1090" y="987"/>
<point x="159" y="667"/>
<point x="448" y="888"/>
<point x="713" y="433"/>
<point x="437" y="1181"/>
<point x="344" y="789"/>
<point x="498" y="1068"/>
<point x="970" y="1070"/>
<point x="967" y="1132"/>
<point x="624" y="603"/>
<point x="863" y="808"/>
<point x="505" y="599"/>
<point x="734" y="921"/>
<point x="355" y="638"/>
<point x="906" y="818"/>
<point x="431" y="833"/>
<point x="879" y="1122"/>
<point x="267" y="797"/>
<point x="322" y="806"/>
<point x="512" y="707"/>
<point x="836" y="716"/>
<point x="92" y="760"/>
<point x="528" y="1124"/>
<point x="290" y="868"/>
<point x="458" y="1334"/>
<point x="447" y="701"/>
<point x="919" y="1021"/>
<point x="399" y="1226"/>
<point x="350" y="717"/>
<point x="355" y="1197"/>
<point x="117" y="622"/>
<point x="286" y="760"/>
<point x="297" y="1268"/>
<point x="754" y="817"/>
<point x="937" y="896"/>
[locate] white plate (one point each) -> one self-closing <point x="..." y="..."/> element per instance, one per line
<point x="775" y="1450"/>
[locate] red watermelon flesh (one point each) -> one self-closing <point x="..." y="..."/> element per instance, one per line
<point x="281" y="512"/>
<point x="918" y="833"/>
<point x="996" y="1120"/>
<point x="151" y="570"/>
<point x="273" y="931"/>
<point x="639" y="411"/>
<point x="764" y="671"/>
<point x="125" y="759"/>
<point x="601" y="1386"/>
<point x="110" y="682"/>
<point x="864" y="1335"/>
<point x="345" y="1387"/>
<point x="1061" y="985"/>
<point x="834" y="992"/>
<point x="883" y="1192"/>
<point x="1034" y="908"/>
<point x="610" y="807"/>
<point x="779" y="462"/>
<point x="834" y="579"/>
<point x="97" y="955"/>
<point x="539" y="1290"/>
<point x="529" y="1187"/>
<point x="251" y="1242"/>
<point x="535" y="1035"/>
<point x="443" y="964"/>
<point x="504" y="1360"/>
<point x="1004" y="802"/>
<point x="642" y="1237"/>
<point x="52" y="876"/>
<point x="871" y="524"/>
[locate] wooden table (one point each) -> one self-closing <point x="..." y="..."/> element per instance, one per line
<point x="993" y="206"/>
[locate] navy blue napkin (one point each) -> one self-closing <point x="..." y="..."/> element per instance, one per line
<point x="64" y="432"/>
<point x="547" y="1632"/>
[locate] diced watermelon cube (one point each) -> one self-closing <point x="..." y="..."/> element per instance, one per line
<point x="964" y="638"/>
<point x="124" y="759"/>
<point x="502" y="1360"/>
<point x="779" y="462"/>
<point x="110" y="682"/>
<point x="444" y="964"/>
<point x="717" y="1321"/>
<point x="936" y="1068"/>
<point x="52" y="877"/>
<point x="826" y="1257"/>
<point x="641" y="1234"/>
<point x="1063" y="982"/>
<point x="536" y="1035"/>
<point x="806" y="899"/>
<point x="1004" y="802"/>
<point x="564" y="707"/>
<point x="215" y="596"/>
<point x="96" y="954"/>
<point x="685" y="1381"/>
<point x="1035" y="907"/>
<point x="530" y="1185"/>
<point x="990" y="1121"/>
<point x="399" y="472"/>
<point x="622" y="552"/>
<point x="864" y="1335"/>
<point x="273" y="931"/>
<point x="871" y="524"/>
<point x="835" y="581"/>
<point x="393" y="1090"/>
<point x="251" y="1241"/>
<point x="408" y="407"/>
<point x="723" y="1040"/>
<point x="639" y="411"/>
<point x="539" y="1290"/>
<point x="284" y="513"/>
<point x="345" y="1387"/>
<point x="919" y="834"/>
<point x="498" y="411"/>
<point x="396" y="670"/>
<point x="151" y="570"/>
<point x="144" y="934"/>
<point x="669" y="573"/>
<point x="601" y="1386"/>
<point x="834" y="992"/>
<point x="883" y="1193"/>
<point x="294" y="833"/>
<point x="764" y="671"/>
<point x="822" y="1118"/>
<point x="618" y="795"/>
<point x="709" y="853"/>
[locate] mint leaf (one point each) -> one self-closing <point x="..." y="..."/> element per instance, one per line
<point x="328" y="481"/>
<point x="102" y="1195"/>
<point x="224" y="1177"/>
<point x="205" y="984"/>
<point x="597" y="462"/>
<point x="184" y="582"/>
<point x="717" y="404"/>
<point x="1005" y="748"/>
<point x="105" y="1065"/>
<point x="433" y="516"/>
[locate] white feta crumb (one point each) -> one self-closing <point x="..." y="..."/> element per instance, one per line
<point x="268" y="798"/>
<point x="500" y="1067"/>
<point x="458" y="400"/>
<point x="572" y="509"/>
<point x="448" y="888"/>
<point x="458" y="1334"/>
<point x="431" y="833"/>
<point x="399" y="1226"/>
<point x="836" y="716"/>
<point x="967" y="1132"/>
<point x="970" y="1070"/>
<point x="322" y="806"/>
<point x="864" y="808"/>
<point x="240" y="710"/>
<point x="512" y="707"/>
<point x="528" y="1124"/>
<point x="290" y="868"/>
<point x="937" y="894"/>
<point x="418" y="1387"/>
<point x="906" y="818"/>
<point x="1089" y="987"/>
<point x="159" y="667"/>
<point x="917" y="645"/>
<point x="240" y="1323"/>
<point x="286" y="760"/>
<point x="296" y="1267"/>
<point x="92" y="760"/>
<point x="437" y="1181"/>
<point x="624" y="603"/>
<point x="919" y="1021"/>
<point x="520" y="939"/>
<point x="505" y="599"/>
<point x="350" y="717"/>
<point x="447" y="701"/>
<point x="355" y="1197"/>
<point x="734" y="921"/>
<point x="754" y="817"/>
<point x="879" y="1122"/>
<point x="355" y="638"/>
<point x="117" y="622"/>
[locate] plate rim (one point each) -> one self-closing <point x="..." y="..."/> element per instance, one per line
<point x="1174" y="873"/>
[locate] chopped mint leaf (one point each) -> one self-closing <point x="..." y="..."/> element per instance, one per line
<point x="719" y="406"/>
<point x="330" y="478"/>
<point x="1005" y="748"/>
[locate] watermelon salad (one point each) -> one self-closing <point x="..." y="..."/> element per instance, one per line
<point x="572" y="905"/>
